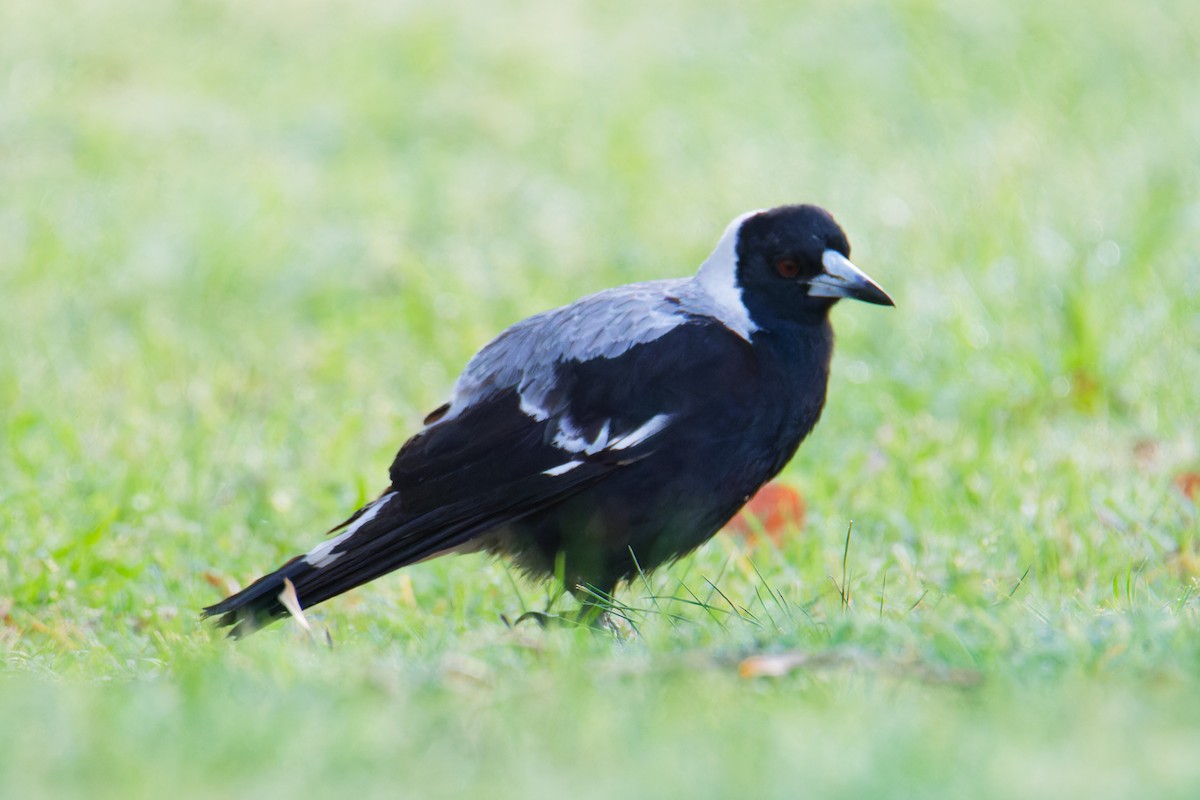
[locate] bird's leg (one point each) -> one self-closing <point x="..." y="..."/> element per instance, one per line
<point x="599" y="610"/>
<point x="547" y="617"/>
<point x="603" y="616"/>
<point x="542" y="618"/>
<point x="592" y="611"/>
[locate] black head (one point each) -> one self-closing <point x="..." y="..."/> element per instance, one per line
<point x="793" y="263"/>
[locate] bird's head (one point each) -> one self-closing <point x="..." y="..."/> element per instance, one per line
<point x="790" y="263"/>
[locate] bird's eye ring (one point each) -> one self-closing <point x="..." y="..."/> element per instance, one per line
<point x="787" y="268"/>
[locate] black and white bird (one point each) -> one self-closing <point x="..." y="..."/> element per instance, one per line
<point x="611" y="435"/>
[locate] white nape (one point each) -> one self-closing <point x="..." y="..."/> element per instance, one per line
<point x="718" y="278"/>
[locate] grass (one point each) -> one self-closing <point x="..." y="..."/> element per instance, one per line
<point x="244" y="247"/>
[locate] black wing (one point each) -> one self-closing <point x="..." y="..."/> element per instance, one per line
<point x="500" y="459"/>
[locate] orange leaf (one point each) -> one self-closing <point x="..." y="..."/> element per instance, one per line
<point x="1189" y="484"/>
<point x="776" y="509"/>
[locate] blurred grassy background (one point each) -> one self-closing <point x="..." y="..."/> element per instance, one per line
<point x="243" y="248"/>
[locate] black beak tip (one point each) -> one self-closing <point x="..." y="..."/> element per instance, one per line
<point x="875" y="295"/>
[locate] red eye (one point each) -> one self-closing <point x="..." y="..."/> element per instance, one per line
<point x="787" y="268"/>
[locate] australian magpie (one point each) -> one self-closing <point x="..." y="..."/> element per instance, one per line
<point x="613" y="434"/>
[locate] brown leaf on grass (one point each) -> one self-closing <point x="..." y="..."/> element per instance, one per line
<point x="1145" y="453"/>
<point x="1184" y="561"/>
<point x="1086" y="389"/>
<point x="9" y="632"/>
<point x="776" y="665"/>
<point x="465" y="672"/>
<point x="221" y="582"/>
<point x="776" y="509"/>
<point x="1189" y="484"/>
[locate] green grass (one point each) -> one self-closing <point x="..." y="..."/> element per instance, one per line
<point x="245" y="246"/>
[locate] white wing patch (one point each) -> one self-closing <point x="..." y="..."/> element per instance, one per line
<point x="571" y="438"/>
<point x="528" y="408"/>
<point x="641" y="434"/>
<point x="322" y="555"/>
<point x="561" y="469"/>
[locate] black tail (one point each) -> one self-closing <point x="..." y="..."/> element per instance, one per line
<point x="372" y="545"/>
<point x="383" y="536"/>
<point x="258" y="604"/>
